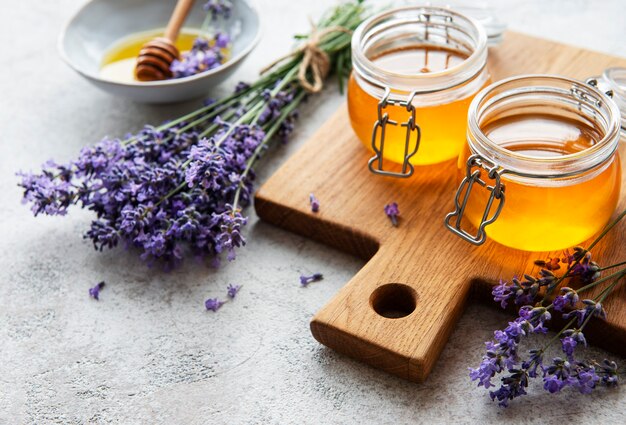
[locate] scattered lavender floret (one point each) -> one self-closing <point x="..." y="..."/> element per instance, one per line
<point x="213" y="304"/>
<point x="232" y="290"/>
<point x="315" y="203"/>
<point x="305" y="280"/>
<point x="392" y="212"/>
<point x="95" y="291"/>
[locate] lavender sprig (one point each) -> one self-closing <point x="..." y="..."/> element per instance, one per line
<point x="503" y="353"/>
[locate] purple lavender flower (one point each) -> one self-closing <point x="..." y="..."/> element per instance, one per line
<point x="586" y="379"/>
<point x="50" y="192"/>
<point x="241" y="87"/>
<point x="274" y="104"/>
<point x="608" y="373"/>
<point x="207" y="165"/>
<point x="315" y="203"/>
<point x="558" y="375"/>
<point x="213" y="304"/>
<point x="503" y="293"/>
<point x="233" y="290"/>
<point x="95" y="291"/>
<point x="522" y="291"/>
<point x="591" y="308"/>
<point x="392" y="212"/>
<point x="552" y="384"/>
<point x="587" y="270"/>
<point x="513" y="385"/>
<point x="577" y="335"/>
<point x="535" y="361"/>
<point x="578" y="254"/>
<point x="204" y="55"/>
<point x="502" y="354"/>
<point x="569" y="298"/>
<point x="218" y="8"/>
<point x="222" y="40"/>
<point x="491" y="364"/>
<point x="576" y="374"/>
<point x="305" y="280"/>
<point x="229" y="237"/>
<point x="568" y="344"/>
<point x="287" y="126"/>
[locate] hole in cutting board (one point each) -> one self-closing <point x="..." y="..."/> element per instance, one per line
<point x="393" y="300"/>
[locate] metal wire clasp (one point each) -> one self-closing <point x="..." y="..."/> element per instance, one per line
<point x="375" y="163"/>
<point x="476" y="166"/>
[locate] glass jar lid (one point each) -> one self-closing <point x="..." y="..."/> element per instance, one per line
<point x="545" y="94"/>
<point x="407" y="27"/>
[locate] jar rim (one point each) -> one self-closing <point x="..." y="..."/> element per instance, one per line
<point x="552" y="166"/>
<point x="438" y="80"/>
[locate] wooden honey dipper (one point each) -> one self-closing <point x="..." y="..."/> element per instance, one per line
<point x="156" y="56"/>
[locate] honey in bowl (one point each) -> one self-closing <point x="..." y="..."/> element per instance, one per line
<point x="118" y="63"/>
<point x="442" y="126"/>
<point x="551" y="216"/>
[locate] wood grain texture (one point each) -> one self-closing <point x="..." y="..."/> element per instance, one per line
<point x="441" y="269"/>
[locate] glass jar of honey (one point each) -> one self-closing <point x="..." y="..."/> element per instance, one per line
<point x="546" y="145"/>
<point x="416" y="70"/>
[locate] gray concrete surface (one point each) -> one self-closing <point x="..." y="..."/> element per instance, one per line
<point x="148" y="352"/>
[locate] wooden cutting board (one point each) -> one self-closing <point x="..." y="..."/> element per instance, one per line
<point x="419" y="269"/>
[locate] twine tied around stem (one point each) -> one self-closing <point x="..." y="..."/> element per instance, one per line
<point x="314" y="58"/>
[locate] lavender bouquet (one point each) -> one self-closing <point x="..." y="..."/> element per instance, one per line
<point x="535" y="295"/>
<point x="178" y="189"/>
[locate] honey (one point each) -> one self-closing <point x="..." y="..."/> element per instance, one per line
<point x="550" y="217"/>
<point x="442" y="126"/>
<point x="118" y="63"/>
<point x="540" y="170"/>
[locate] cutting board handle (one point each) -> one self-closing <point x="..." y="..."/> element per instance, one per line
<point x="394" y="317"/>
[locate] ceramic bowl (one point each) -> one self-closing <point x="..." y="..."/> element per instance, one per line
<point x="101" y="23"/>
